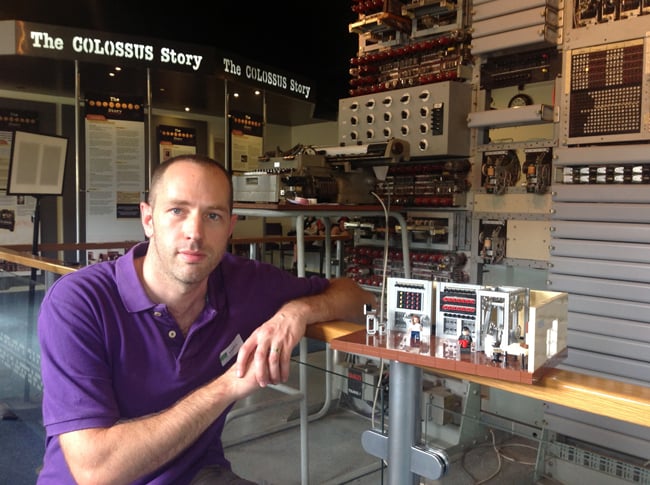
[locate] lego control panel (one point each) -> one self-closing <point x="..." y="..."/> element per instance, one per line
<point x="410" y="312"/>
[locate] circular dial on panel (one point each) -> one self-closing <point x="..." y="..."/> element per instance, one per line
<point x="520" y="99"/>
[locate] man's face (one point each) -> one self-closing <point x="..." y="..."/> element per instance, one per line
<point x="189" y="223"/>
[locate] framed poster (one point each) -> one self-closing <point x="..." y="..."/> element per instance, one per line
<point x="37" y="164"/>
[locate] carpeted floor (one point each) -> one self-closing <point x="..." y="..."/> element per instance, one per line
<point x="22" y="437"/>
<point x="22" y="442"/>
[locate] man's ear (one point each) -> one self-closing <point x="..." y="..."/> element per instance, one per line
<point x="233" y="222"/>
<point x="146" y="217"/>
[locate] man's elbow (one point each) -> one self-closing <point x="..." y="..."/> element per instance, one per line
<point x="88" y="465"/>
<point x="90" y="475"/>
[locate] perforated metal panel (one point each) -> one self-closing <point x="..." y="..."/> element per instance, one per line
<point x="432" y="118"/>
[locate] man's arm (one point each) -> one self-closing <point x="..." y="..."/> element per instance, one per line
<point x="271" y="344"/>
<point x="131" y="449"/>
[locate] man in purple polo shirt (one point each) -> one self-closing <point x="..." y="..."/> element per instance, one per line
<point x="143" y="357"/>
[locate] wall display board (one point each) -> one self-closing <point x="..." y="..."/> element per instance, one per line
<point x="15" y="211"/>
<point x="173" y="141"/>
<point x="36" y="168"/>
<point x="246" y="139"/>
<point x="115" y="167"/>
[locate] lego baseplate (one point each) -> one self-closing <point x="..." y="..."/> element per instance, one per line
<point x="443" y="354"/>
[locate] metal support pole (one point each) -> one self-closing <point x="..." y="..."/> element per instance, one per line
<point x="304" y="416"/>
<point x="404" y="395"/>
<point x="407" y="458"/>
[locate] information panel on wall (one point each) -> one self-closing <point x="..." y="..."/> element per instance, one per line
<point x="115" y="167"/>
<point x="173" y="141"/>
<point x="246" y="141"/>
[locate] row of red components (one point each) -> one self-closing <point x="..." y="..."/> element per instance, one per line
<point x="365" y="7"/>
<point x="459" y="165"/>
<point x="364" y="255"/>
<point x="406" y="50"/>
<point x="420" y="80"/>
<point x="369" y="280"/>
<point x="458" y="308"/>
<point x="437" y="201"/>
<point x="459" y="299"/>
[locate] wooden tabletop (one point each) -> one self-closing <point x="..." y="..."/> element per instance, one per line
<point x="328" y="331"/>
<point x="600" y="396"/>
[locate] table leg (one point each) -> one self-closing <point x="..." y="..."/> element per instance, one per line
<point x="404" y="431"/>
<point x="407" y="458"/>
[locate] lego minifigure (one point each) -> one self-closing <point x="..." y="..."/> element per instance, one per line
<point x="465" y="340"/>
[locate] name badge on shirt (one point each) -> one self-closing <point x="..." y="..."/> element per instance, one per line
<point x="232" y="349"/>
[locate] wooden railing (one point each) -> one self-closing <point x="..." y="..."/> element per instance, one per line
<point x="21" y="253"/>
<point x="34" y="261"/>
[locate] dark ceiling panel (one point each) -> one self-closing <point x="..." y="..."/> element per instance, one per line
<point x="170" y="90"/>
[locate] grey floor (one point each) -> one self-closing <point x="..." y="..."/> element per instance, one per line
<point x="264" y="445"/>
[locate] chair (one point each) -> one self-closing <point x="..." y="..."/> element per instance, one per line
<point x="275" y="229"/>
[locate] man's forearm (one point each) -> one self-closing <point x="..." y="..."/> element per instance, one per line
<point x="131" y="449"/>
<point x="342" y="300"/>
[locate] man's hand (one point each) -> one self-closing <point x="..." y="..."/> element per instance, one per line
<point x="268" y="349"/>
